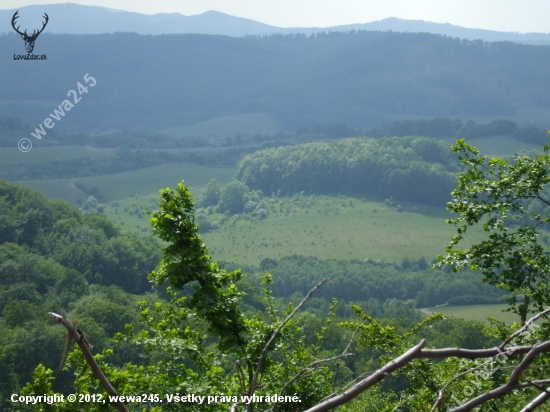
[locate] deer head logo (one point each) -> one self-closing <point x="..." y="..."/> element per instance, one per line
<point x="29" y="40"/>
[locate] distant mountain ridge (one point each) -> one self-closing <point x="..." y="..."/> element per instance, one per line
<point x="70" y="18"/>
<point x="362" y="79"/>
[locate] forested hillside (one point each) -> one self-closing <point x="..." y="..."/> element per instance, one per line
<point x="415" y="169"/>
<point x="195" y="341"/>
<point x="361" y="79"/>
<point x="91" y="245"/>
<point x="54" y="257"/>
<point x="375" y="281"/>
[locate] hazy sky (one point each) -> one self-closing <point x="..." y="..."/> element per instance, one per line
<point x="503" y="15"/>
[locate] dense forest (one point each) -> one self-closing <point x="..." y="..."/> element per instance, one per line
<point x="327" y="212"/>
<point x="413" y="169"/>
<point x="361" y="79"/>
<point x="53" y="256"/>
<point x="180" y="341"/>
<point x="443" y="127"/>
<point x="355" y="281"/>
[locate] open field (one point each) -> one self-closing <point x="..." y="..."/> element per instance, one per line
<point x="334" y="228"/>
<point x="130" y="214"/>
<point x="137" y="182"/>
<point x="501" y="145"/>
<point x="326" y="227"/>
<point x="57" y="189"/>
<point x="498" y="146"/>
<point x="45" y="154"/>
<point x="478" y="313"/>
<point x="247" y="124"/>
<point x="13" y="161"/>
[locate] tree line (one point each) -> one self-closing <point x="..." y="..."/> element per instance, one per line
<point x="356" y="78"/>
<point x="363" y="281"/>
<point x="209" y="342"/>
<point x="415" y="169"/>
<point x="54" y="257"/>
<point x="445" y="127"/>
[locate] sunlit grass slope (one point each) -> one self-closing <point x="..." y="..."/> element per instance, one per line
<point x="137" y="182"/>
<point x="46" y="154"/>
<point x="478" y="313"/>
<point x="220" y="127"/>
<point x="334" y="228"/>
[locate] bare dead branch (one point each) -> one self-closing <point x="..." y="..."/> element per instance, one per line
<point x="334" y="392"/>
<point x="471" y="353"/>
<point x="524" y="327"/>
<point x="532" y="352"/>
<point x="351" y="383"/>
<point x="253" y="383"/>
<point x="524" y="364"/>
<point x="311" y="366"/>
<point x="513" y="382"/>
<point x="335" y="376"/>
<point x="536" y="385"/>
<point x="441" y="393"/>
<point x="349" y="344"/>
<point x="535" y="403"/>
<point x="241" y="376"/>
<point x="373" y="379"/>
<point x="79" y="338"/>
<point x="66" y="348"/>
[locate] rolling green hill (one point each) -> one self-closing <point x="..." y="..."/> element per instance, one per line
<point x="333" y="228"/>
<point x="247" y="124"/>
<point x="356" y="78"/>
<point x="478" y="313"/>
<point x="137" y="182"/>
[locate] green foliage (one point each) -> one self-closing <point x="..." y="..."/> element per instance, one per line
<point x="118" y="161"/>
<point x="17" y="312"/>
<point x="212" y="193"/>
<point x="50" y="253"/>
<point x="421" y="300"/>
<point x="495" y="194"/>
<point x="232" y="198"/>
<point x="186" y="261"/>
<point x="42" y="386"/>
<point x="329" y="227"/>
<point x="412" y="169"/>
<point x="438" y="127"/>
<point x="90" y="244"/>
<point x="356" y="78"/>
<point x="202" y="342"/>
<point x="442" y="127"/>
<point x="360" y="281"/>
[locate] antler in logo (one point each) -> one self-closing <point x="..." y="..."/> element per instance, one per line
<point x="29" y="40"/>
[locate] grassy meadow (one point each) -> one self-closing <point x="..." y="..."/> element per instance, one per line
<point x="44" y="154"/>
<point x="478" y="313"/>
<point x="13" y="160"/>
<point x="333" y="228"/>
<point x="322" y="226"/>
<point x="137" y="182"/>
<point x="220" y="127"/>
<point x="498" y="146"/>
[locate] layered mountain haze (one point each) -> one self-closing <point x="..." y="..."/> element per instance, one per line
<point x="73" y="18"/>
<point x="359" y="79"/>
<point x="78" y="19"/>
